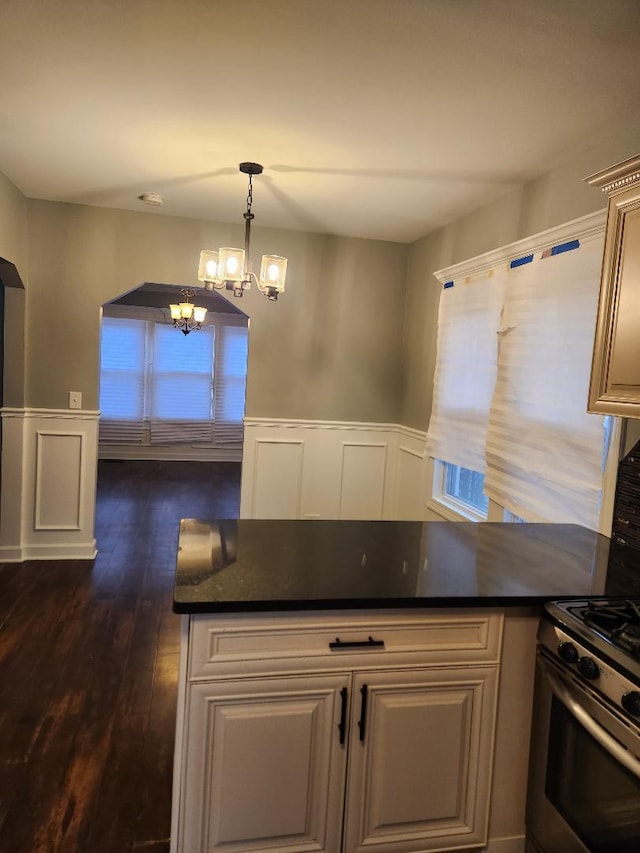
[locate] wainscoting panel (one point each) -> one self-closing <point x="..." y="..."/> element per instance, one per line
<point x="362" y="484"/>
<point x="58" y="480"/>
<point x="347" y="470"/>
<point x="277" y="479"/>
<point x="410" y="497"/>
<point x="47" y="500"/>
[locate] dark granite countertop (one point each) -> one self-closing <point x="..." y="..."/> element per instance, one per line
<point x="228" y="565"/>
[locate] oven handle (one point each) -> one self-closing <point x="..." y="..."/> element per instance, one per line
<point x="621" y="755"/>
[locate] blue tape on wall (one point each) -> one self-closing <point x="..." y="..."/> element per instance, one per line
<point x="447" y="284"/>
<point x="518" y="262"/>
<point x="565" y="247"/>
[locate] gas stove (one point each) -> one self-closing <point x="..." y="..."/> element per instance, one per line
<point x="598" y="641"/>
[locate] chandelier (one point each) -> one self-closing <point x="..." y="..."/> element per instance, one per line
<point x="231" y="268"/>
<point x="185" y="315"/>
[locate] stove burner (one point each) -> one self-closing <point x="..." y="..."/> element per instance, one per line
<point x="617" y="621"/>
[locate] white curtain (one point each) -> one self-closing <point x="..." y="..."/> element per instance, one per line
<point x="465" y="372"/>
<point x="544" y="452"/>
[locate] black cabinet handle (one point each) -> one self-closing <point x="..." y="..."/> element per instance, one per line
<point x="356" y="644"/>
<point x="364" y="691"/>
<point x="342" y="725"/>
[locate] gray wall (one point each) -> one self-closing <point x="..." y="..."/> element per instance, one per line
<point x="13" y="248"/>
<point x="559" y="196"/>
<point x="330" y="348"/>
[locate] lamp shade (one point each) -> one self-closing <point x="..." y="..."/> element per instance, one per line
<point x="231" y="264"/>
<point x="273" y="271"/>
<point x="208" y="268"/>
<point x="199" y="314"/>
<point x="186" y="310"/>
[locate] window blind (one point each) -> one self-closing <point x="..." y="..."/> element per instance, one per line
<point x="181" y="385"/>
<point x="230" y="384"/>
<point x="122" y="380"/>
<point x="161" y="387"/>
<point x="544" y="452"/>
<point x="465" y="371"/>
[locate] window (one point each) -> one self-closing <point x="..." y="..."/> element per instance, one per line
<point x="461" y="490"/>
<point x="160" y="387"/>
<point x="528" y="449"/>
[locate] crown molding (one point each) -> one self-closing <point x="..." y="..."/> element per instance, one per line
<point x="618" y="177"/>
<point x="584" y="228"/>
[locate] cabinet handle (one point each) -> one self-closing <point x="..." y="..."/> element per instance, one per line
<point x="356" y="644"/>
<point x="364" y="691"/>
<point x="342" y="725"/>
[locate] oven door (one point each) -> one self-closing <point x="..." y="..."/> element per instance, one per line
<point x="584" y="780"/>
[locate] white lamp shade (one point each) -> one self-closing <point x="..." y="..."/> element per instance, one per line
<point x="208" y="268"/>
<point x="176" y="314"/>
<point x="231" y="264"/>
<point x="186" y="310"/>
<point x="273" y="271"/>
<point x="199" y="314"/>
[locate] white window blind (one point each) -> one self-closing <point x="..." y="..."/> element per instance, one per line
<point x="122" y="380"/>
<point x="230" y="383"/>
<point x="161" y="387"/>
<point x="544" y="452"/>
<point x="542" y="455"/>
<point x="465" y="372"/>
<point x="181" y="385"/>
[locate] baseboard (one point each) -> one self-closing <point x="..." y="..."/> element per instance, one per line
<point x="62" y="551"/>
<point x="10" y="554"/>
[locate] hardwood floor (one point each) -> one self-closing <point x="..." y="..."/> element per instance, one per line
<point x="88" y="669"/>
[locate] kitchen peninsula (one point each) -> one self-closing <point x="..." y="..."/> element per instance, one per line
<point x="350" y="685"/>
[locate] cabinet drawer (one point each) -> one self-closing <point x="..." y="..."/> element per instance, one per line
<point x="236" y="646"/>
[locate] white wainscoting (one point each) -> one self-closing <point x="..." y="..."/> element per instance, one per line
<point x="332" y="469"/>
<point x="48" y="484"/>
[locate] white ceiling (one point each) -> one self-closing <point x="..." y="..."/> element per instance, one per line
<point x="373" y="118"/>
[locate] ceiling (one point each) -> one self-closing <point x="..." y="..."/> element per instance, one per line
<point x="372" y="118"/>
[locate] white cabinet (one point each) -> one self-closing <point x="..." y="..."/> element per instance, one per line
<point x="418" y="776"/>
<point x="336" y="733"/>
<point x="264" y="765"/>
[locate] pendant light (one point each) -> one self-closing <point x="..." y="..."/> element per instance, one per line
<point x="231" y="268"/>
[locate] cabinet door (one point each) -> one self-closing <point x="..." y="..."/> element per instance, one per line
<point x="615" y="373"/>
<point x="266" y="766"/>
<point x="420" y="772"/>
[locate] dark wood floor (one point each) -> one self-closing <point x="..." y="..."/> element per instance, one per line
<point x="88" y="669"/>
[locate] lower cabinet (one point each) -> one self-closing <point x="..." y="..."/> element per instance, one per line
<point x="265" y="765"/>
<point x="419" y="760"/>
<point x="382" y="759"/>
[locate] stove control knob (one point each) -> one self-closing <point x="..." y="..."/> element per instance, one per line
<point x="588" y="667"/>
<point x="631" y="702"/>
<point x="568" y="652"/>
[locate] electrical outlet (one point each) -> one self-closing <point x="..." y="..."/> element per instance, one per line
<point x="75" y="399"/>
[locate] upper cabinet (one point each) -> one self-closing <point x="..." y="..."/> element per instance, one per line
<point x="615" y="371"/>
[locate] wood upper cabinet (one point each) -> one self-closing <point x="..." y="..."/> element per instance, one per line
<point x="615" y="372"/>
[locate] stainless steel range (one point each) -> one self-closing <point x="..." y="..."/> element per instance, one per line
<point x="584" y="784"/>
